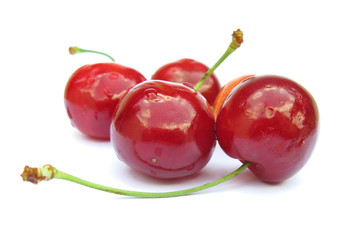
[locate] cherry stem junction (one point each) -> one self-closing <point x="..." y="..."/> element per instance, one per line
<point x="48" y="172"/>
<point x="237" y="40"/>
<point x="74" y="50"/>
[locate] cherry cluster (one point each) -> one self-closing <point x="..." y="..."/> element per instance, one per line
<point x="168" y="126"/>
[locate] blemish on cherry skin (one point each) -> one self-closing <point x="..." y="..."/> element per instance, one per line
<point x="151" y="94"/>
<point x="269" y="112"/>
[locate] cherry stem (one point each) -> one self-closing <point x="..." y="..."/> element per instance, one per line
<point x="237" y="40"/>
<point x="74" y="50"/>
<point x="47" y="172"/>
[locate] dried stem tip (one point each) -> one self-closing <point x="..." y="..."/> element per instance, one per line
<point x="35" y="175"/>
<point x="237" y="39"/>
<point x="73" y="50"/>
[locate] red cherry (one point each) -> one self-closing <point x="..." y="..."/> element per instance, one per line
<point x="164" y="129"/>
<point x="92" y="94"/>
<point x="272" y="122"/>
<point x="191" y="71"/>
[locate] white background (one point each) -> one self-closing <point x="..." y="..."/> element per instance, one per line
<point x="312" y="42"/>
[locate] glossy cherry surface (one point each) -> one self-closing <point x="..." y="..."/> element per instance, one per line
<point x="225" y="90"/>
<point x="164" y="129"/>
<point x="191" y="71"/>
<point x="272" y="122"/>
<point x="92" y="94"/>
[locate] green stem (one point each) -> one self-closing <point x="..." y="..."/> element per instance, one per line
<point x="48" y="172"/>
<point x="237" y="40"/>
<point x="74" y="50"/>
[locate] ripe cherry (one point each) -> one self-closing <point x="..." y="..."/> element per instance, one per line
<point x="225" y="90"/>
<point x="191" y="71"/>
<point x="164" y="129"/>
<point x="270" y="121"/>
<point x="92" y="94"/>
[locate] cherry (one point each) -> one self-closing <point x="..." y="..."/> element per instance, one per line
<point x="164" y="129"/>
<point x="191" y="71"/>
<point x="270" y="121"/>
<point x="225" y="90"/>
<point x="167" y="129"/>
<point x="93" y="92"/>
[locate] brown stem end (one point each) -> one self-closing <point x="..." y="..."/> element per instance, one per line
<point x="73" y="50"/>
<point x="237" y="39"/>
<point x="36" y="175"/>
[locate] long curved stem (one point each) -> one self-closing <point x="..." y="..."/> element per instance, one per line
<point x="48" y="172"/>
<point x="237" y="40"/>
<point x="74" y="50"/>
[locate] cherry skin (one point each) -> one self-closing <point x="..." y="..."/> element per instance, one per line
<point x="164" y="129"/>
<point x="272" y="122"/>
<point x="225" y="90"/>
<point x="191" y="71"/>
<point x="92" y="94"/>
